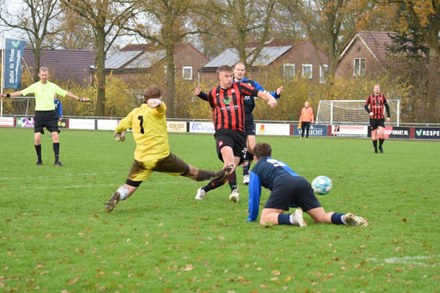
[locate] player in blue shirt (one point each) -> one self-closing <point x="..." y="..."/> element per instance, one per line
<point x="288" y="189"/>
<point x="58" y="108"/>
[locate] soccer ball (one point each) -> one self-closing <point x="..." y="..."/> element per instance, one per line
<point x="322" y="185"/>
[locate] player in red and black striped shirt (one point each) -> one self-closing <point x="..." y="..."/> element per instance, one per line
<point x="227" y="111"/>
<point x="374" y="105"/>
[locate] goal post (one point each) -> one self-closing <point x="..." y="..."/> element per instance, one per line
<point x="351" y="112"/>
<point x="17" y="106"/>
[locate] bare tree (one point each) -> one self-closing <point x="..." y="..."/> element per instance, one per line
<point x="244" y="25"/>
<point x="423" y="18"/>
<point x="73" y="33"/>
<point x="329" y="24"/>
<point x="35" y="20"/>
<point x="166" y="23"/>
<point x="106" y="18"/>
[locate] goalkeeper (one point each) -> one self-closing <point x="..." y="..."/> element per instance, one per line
<point x="149" y="126"/>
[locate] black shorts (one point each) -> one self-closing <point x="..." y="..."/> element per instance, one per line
<point x="249" y="127"/>
<point x="141" y="171"/>
<point x="48" y="119"/>
<point x="232" y="138"/>
<point x="292" y="192"/>
<point x="375" y="123"/>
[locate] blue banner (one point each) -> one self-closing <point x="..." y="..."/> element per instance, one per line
<point x="12" y="63"/>
<point x="315" y="130"/>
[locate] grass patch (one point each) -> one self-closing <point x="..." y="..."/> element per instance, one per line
<point x="55" y="234"/>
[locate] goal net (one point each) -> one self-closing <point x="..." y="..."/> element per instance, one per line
<point x="18" y="106"/>
<point x="351" y="112"/>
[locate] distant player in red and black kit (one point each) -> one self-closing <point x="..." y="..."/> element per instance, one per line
<point x="374" y="105"/>
<point x="227" y="110"/>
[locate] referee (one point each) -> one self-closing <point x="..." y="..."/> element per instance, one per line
<point x="45" y="114"/>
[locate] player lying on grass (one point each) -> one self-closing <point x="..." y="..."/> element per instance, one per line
<point x="149" y="126"/>
<point x="288" y="189"/>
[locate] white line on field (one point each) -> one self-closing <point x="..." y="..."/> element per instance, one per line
<point x="421" y="260"/>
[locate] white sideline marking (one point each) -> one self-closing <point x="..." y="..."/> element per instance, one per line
<point x="414" y="260"/>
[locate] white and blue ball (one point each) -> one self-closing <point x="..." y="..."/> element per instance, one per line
<point x="322" y="185"/>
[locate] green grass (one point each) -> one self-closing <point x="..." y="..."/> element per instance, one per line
<point x="55" y="235"/>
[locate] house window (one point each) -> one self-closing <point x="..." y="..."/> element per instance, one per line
<point x="187" y="72"/>
<point x="359" y="66"/>
<point x="323" y="70"/>
<point x="288" y="70"/>
<point x="307" y="71"/>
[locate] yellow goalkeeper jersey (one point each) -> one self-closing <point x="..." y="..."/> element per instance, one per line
<point x="150" y="133"/>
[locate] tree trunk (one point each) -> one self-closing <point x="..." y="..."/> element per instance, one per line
<point x="37" y="59"/>
<point x="100" y="72"/>
<point x="433" y="85"/>
<point x="170" y="80"/>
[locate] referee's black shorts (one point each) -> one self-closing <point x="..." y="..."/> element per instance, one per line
<point x="48" y="119"/>
<point x="289" y="191"/>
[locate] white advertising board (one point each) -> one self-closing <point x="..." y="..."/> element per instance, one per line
<point x="350" y="130"/>
<point x="176" y="126"/>
<point x="272" y="129"/>
<point x="106" y="124"/>
<point x="82" y="124"/>
<point x="6" y="121"/>
<point x="201" y="127"/>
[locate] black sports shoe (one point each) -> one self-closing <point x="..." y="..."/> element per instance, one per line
<point x="375" y="150"/>
<point x="58" y="164"/>
<point x="381" y="150"/>
<point x="39" y="162"/>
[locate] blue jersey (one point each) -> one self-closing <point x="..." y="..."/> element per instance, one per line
<point x="264" y="173"/>
<point x="58" y="107"/>
<point x="249" y="101"/>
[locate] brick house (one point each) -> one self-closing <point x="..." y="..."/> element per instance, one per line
<point x="133" y="60"/>
<point x="287" y="60"/>
<point x="64" y="65"/>
<point x="366" y="53"/>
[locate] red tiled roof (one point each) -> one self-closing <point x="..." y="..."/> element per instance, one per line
<point x="377" y="42"/>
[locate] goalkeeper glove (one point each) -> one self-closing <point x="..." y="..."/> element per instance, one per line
<point x="153" y="103"/>
<point x="119" y="136"/>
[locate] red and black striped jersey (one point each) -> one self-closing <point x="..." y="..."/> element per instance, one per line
<point x="376" y="105"/>
<point x="228" y="105"/>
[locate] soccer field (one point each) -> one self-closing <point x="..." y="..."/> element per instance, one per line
<point x="56" y="236"/>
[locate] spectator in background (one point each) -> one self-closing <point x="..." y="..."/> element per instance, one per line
<point x="305" y="119"/>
